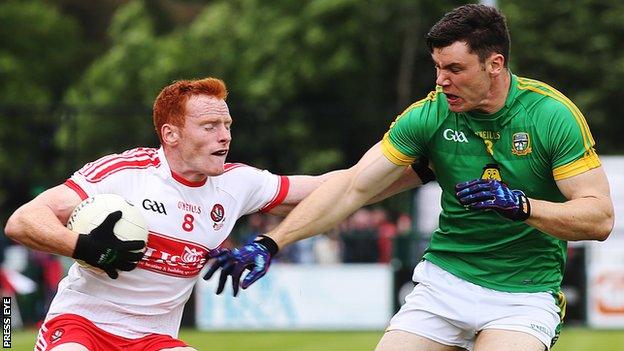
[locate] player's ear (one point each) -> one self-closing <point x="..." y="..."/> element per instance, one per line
<point x="495" y="64"/>
<point x="170" y="134"/>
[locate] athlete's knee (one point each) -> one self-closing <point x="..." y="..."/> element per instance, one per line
<point x="511" y="340"/>
<point x="399" y="340"/>
<point x="70" y="346"/>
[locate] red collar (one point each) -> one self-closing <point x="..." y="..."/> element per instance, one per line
<point x="187" y="182"/>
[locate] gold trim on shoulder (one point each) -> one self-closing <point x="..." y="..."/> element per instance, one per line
<point x="395" y="156"/>
<point x="589" y="161"/>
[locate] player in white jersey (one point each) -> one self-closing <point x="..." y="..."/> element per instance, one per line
<point x="190" y="199"/>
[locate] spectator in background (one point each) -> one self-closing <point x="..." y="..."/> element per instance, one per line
<point x="48" y="271"/>
<point x="386" y="232"/>
<point x="15" y="284"/>
<point x="4" y="282"/>
<point x="4" y="243"/>
<point x="404" y="224"/>
<point x="328" y="248"/>
<point x="290" y="255"/>
<point x="359" y="239"/>
<point x="405" y="244"/>
<point x="249" y="229"/>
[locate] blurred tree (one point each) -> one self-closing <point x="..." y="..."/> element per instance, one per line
<point x="38" y="50"/>
<point x="577" y="47"/>
<point x="319" y="76"/>
<point x="111" y="100"/>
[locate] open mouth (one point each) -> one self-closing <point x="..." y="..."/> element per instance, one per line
<point x="220" y="153"/>
<point x="452" y="99"/>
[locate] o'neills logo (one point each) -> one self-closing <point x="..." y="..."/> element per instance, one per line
<point x="57" y="334"/>
<point x="173" y="256"/>
<point x="189" y="208"/>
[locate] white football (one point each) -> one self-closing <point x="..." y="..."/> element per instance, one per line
<point x="91" y="212"/>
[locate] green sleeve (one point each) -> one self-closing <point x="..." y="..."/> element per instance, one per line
<point x="409" y="134"/>
<point x="570" y="143"/>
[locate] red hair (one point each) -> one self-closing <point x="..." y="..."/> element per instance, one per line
<point x="170" y="105"/>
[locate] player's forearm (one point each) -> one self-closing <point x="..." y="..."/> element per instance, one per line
<point x="320" y="211"/>
<point x="587" y="218"/>
<point x="333" y="201"/>
<point x="37" y="227"/>
<point x="409" y="180"/>
<point x="300" y="187"/>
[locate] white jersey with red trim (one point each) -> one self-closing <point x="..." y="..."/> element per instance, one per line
<point x="185" y="221"/>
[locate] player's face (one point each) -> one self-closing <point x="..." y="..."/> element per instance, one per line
<point x="205" y="136"/>
<point x="463" y="78"/>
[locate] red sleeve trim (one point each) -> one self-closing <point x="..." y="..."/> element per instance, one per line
<point x="75" y="187"/>
<point x="282" y="191"/>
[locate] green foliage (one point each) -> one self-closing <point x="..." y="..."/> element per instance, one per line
<point x="112" y="101"/>
<point x="131" y="24"/>
<point x="577" y="47"/>
<point x="38" y="48"/>
<point x="116" y="77"/>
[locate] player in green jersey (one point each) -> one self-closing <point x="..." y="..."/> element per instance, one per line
<point x="519" y="175"/>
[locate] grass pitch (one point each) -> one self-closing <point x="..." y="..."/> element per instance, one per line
<point x="572" y="339"/>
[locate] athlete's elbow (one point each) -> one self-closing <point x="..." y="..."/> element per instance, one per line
<point x="601" y="235"/>
<point x="605" y="228"/>
<point x="13" y="229"/>
<point x="602" y="228"/>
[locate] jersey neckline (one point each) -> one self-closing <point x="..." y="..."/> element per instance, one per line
<point x="187" y="182"/>
<point x="176" y="176"/>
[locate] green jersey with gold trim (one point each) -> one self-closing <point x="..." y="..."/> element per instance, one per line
<point x="538" y="137"/>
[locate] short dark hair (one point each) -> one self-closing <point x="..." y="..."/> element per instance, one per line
<point x="482" y="28"/>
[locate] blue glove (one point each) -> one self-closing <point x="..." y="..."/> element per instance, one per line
<point x="255" y="256"/>
<point x="483" y="194"/>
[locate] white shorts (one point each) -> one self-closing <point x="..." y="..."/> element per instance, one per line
<point x="451" y="311"/>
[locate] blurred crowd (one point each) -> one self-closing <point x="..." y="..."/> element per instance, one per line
<point x="367" y="236"/>
<point x="30" y="278"/>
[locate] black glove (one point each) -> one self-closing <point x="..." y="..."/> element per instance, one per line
<point x="103" y="250"/>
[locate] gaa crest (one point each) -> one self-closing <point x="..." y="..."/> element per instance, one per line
<point x="217" y="214"/>
<point x="520" y="144"/>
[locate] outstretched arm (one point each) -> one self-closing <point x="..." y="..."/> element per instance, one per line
<point x="338" y="197"/>
<point x="302" y="186"/>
